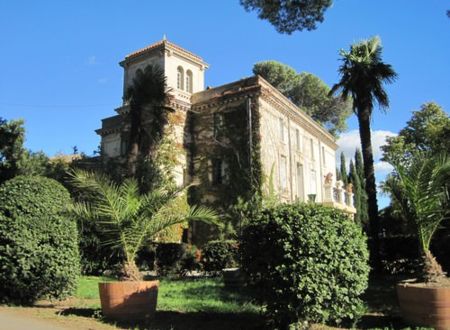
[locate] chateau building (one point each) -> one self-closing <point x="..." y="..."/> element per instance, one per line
<point x="235" y="138"/>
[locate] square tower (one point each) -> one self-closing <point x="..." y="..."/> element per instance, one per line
<point x="184" y="71"/>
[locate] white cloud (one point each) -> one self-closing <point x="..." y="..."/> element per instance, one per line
<point x="92" y="60"/>
<point x="349" y="141"/>
<point x="383" y="167"/>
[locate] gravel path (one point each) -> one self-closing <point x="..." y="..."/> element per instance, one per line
<point x="10" y="320"/>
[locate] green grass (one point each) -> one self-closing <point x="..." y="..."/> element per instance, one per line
<point x="202" y="295"/>
<point x="182" y="304"/>
<point x="88" y="286"/>
<point x="206" y="304"/>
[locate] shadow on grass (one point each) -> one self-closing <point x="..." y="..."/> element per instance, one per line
<point x="177" y="320"/>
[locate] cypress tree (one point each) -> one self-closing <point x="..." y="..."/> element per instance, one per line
<point x="359" y="169"/>
<point x="338" y="174"/>
<point x="354" y="180"/>
<point x="344" y="176"/>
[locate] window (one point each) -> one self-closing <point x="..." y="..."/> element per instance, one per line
<point x="189" y="81"/>
<point x="283" y="173"/>
<point x="219" y="124"/>
<point x="313" y="182"/>
<point x="311" y="142"/>
<point x="180" y="78"/>
<point x="218" y="171"/>
<point x="300" y="183"/>
<point x="282" y="134"/>
<point x="298" y="139"/>
<point x="324" y="157"/>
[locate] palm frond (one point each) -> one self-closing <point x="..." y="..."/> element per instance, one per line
<point x="420" y="190"/>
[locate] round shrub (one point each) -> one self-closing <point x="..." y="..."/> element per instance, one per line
<point x="38" y="243"/>
<point x="306" y="262"/>
<point x="217" y="255"/>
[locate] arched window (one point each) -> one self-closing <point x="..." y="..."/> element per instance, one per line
<point x="180" y="78"/>
<point x="189" y="81"/>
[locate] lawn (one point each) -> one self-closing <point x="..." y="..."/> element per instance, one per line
<point x="182" y="304"/>
<point x="206" y="304"/>
<point x="203" y="295"/>
<point x="201" y="304"/>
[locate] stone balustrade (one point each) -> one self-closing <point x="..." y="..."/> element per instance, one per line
<point x="338" y="196"/>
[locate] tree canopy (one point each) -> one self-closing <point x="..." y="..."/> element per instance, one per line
<point x="288" y="16"/>
<point x="427" y="130"/>
<point x="308" y="92"/>
<point x="15" y="159"/>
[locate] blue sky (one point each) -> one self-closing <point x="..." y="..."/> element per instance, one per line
<point x="60" y="72"/>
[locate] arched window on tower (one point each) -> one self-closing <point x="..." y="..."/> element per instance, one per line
<point x="180" y="78"/>
<point x="189" y="81"/>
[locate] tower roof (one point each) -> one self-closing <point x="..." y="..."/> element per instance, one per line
<point x="163" y="45"/>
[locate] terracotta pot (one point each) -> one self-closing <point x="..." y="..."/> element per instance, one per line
<point x="425" y="305"/>
<point x="129" y="300"/>
<point x="232" y="278"/>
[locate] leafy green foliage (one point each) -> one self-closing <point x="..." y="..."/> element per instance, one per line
<point x="147" y="97"/>
<point x="421" y="193"/>
<point x="289" y="16"/>
<point x="281" y="76"/>
<point x="176" y="258"/>
<point x="130" y="219"/>
<point x="308" y="92"/>
<point x="14" y="158"/>
<point x="343" y="170"/>
<point x="427" y="130"/>
<point x="217" y="255"/>
<point x="306" y="262"/>
<point x="12" y="136"/>
<point x="356" y="178"/>
<point x="38" y="242"/>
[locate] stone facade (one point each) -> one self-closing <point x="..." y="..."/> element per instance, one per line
<point x="237" y="138"/>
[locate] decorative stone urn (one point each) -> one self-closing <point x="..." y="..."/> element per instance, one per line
<point x="129" y="300"/>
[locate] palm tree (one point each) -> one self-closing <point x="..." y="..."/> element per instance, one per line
<point x="421" y="193"/>
<point x="148" y="98"/>
<point x="362" y="76"/>
<point x="128" y="218"/>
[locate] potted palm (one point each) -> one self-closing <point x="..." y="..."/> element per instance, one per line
<point x="420" y="191"/>
<point x="129" y="219"/>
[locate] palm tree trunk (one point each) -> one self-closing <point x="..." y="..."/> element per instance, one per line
<point x="431" y="270"/>
<point x="371" y="190"/>
<point x="130" y="272"/>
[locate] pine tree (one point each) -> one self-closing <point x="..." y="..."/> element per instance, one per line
<point x="344" y="176"/>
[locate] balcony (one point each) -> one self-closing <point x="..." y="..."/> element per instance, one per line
<point x="338" y="196"/>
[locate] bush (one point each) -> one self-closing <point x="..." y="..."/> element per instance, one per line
<point x="306" y="262"/>
<point x="96" y="258"/>
<point x="176" y="258"/>
<point x="217" y="255"/>
<point x="38" y="243"/>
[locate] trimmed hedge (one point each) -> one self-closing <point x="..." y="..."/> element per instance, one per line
<point x="306" y="262"/>
<point x="217" y="255"/>
<point x="38" y="243"/>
